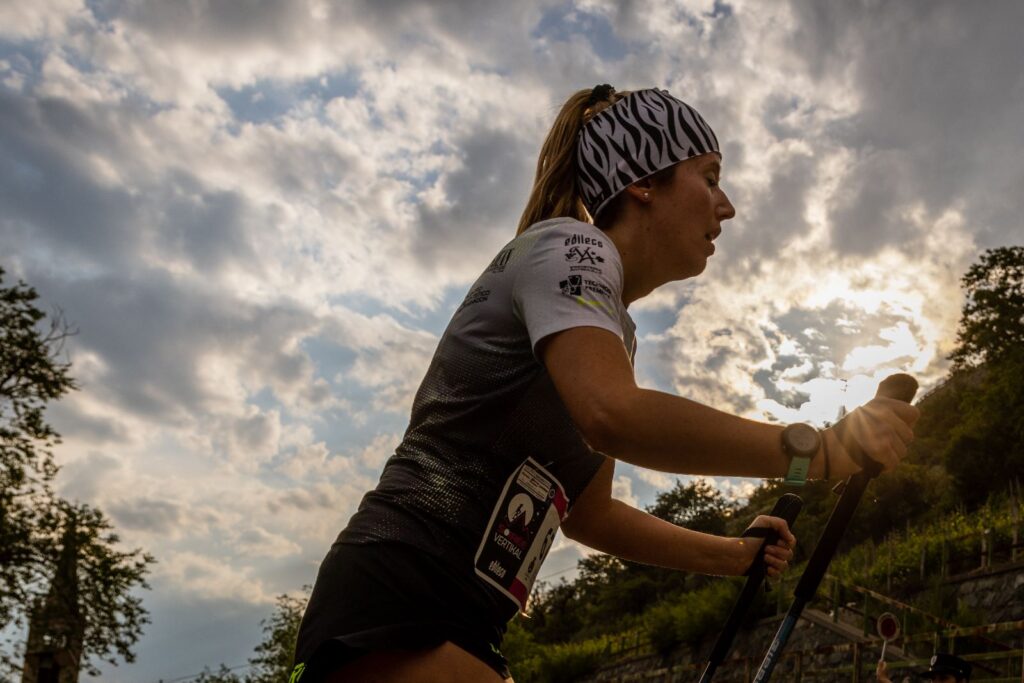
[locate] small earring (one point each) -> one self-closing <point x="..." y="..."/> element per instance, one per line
<point x="647" y="195"/>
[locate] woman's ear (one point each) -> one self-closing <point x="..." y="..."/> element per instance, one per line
<point x="641" y="190"/>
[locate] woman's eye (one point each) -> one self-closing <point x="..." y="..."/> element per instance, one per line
<point x="712" y="182"/>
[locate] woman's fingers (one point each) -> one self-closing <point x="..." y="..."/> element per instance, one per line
<point x="777" y="559"/>
<point x="907" y="413"/>
<point x="882" y="428"/>
<point x="778" y="525"/>
<point x="778" y="555"/>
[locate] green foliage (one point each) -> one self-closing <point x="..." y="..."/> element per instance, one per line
<point x="940" y="412"/>
<point x="992" y="321"/>
<point x="696" y="505"/>
<point x="273" y="660"/>
<point x="986" y="447"/>
<point x="556" y="612"/>
<point x="955" y="534"/>
<point x="551" y="663"/>
<point x="222" y="675"/>
<point x="519" y="642"/>
<point x="910" y="492"/>
<point x="31" y="374"/>
<point x="689" y="617"/>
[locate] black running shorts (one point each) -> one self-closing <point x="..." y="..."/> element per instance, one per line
<point x="391" y="596"/>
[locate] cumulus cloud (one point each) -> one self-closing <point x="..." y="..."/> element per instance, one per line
<point x="86" y="477"/>
<point x="732" y="488"/>
<point x="955" y="84"/>
<point x="256" y="542"/>
<point x="622" y="489"/>
<point x="157" y="516"/>
<point x="658" y="480"/>
<point x="210" y="577"/>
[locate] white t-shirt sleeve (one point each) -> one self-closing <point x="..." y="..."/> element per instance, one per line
<point x="572" y="277"/>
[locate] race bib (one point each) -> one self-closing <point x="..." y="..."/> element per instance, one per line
<point x="521" y="531"/>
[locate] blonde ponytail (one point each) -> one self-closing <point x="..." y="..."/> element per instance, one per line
<point x="555" y="193"/>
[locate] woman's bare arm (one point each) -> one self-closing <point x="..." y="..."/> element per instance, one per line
<point x="599" y="521"/>
<point x="592" y="373"/>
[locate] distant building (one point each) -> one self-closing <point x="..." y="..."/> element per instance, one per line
<point x="56" y="631"/>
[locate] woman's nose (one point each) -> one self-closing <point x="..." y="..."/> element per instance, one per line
<point x="726" y="209"/>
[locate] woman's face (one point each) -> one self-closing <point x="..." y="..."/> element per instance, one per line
<point x="687" y="216"/>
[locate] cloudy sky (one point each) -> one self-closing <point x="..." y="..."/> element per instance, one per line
<point x="260" y="216"/>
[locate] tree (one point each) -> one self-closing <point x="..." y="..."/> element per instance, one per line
<point x="107" y="578"/>
<point x="223" y="674"/>
<point x="986" y="447"/>
<point x="272" y="662"/>
<point x="31" y="374"/>
<point x="59" y="561"/>
<point x="697" y="505"/>
<point x="992" y="320"/>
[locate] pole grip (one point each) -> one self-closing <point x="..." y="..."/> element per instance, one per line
<point x="900" y="386"/>
<point x="787" y="507"/>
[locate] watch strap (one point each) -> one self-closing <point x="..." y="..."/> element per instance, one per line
<point x="798" y="469"/>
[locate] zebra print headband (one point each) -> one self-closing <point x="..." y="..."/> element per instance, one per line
<point x="639" y="135"/>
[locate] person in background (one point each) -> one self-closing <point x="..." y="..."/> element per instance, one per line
<point x="943" y="668"/>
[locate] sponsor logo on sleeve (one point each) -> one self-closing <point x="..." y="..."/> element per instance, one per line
<point x="575" y="285"/>
<point x="572" y="286"/>
<point x="500" y="261"/>
<point x="584" y="240"/>
<point x="597" y="287"/>
<point x="476" y="295"/>
<point x="583" y="255"/>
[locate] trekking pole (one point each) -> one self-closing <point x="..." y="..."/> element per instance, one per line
<point x="901" y="387"/>
<point x="787" y="507"/>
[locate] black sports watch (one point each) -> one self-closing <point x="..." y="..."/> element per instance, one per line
<point x="801" y="443"/>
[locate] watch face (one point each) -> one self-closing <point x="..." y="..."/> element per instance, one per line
<point x="802" y="439"/>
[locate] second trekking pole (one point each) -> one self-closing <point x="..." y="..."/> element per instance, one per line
<point x="901" y="387"/>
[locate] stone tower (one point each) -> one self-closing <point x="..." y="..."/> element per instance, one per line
<point x="56" y="629"/>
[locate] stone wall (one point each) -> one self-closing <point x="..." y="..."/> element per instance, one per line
<point x="995" y="595"/>
<point x="686" y="663"/>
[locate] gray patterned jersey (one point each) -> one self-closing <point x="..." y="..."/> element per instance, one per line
<point x="491" y="460"/>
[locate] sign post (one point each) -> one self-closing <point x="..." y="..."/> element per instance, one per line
<point x="888" y="627"/>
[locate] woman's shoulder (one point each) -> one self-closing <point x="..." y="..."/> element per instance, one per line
<point x="569" y="232"/>
<point x="561" y="223"/>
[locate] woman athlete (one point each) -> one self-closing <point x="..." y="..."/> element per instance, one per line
<point x="529" y="400"/>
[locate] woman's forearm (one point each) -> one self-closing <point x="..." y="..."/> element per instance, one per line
<point x="654" y="429"/>
<point x="673" y="434"/>
<point x="635" y="535"/>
